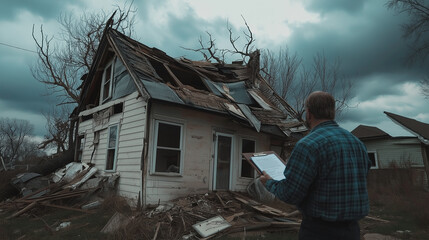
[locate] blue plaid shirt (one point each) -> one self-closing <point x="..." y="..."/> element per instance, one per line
<point x="326" y="175"/>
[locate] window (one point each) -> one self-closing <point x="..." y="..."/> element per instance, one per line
<point x="247" y="146"/>
<point x="373" y="157"/>
<point x="106" y="86"/>
<point x="168" y="148"/>
<point x="112" y="145"/>
<point x="81" y="146"/>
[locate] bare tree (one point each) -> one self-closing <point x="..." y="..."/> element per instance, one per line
<point x="13" y="135"/>
<point x="294" y="81"/>
<point x="211" y="52"/>
<point x="424" y="84"/>
<point x="417" y="27"/>
<point x="281" y="69"/>
<point x="58" y="126"/>
<point x="65" y="58"/>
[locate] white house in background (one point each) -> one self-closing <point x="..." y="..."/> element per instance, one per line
<point x="386" y="151"/>
<point x="172" y="127"/>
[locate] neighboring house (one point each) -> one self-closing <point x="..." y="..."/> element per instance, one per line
<point x="386" y="151"/>
<point x="417" y="128"/>
<point x="172" y="127"/>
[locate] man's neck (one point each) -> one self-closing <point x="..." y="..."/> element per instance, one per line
<point x="316" y="122"/>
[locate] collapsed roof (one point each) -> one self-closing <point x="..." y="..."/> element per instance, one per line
<point x="233" y="89"/>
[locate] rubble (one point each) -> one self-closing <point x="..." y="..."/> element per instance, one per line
<point x="210" y="215"/>
<point x="198" y="216"/>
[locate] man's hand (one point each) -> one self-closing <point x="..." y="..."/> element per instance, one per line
<point x="264" y="178"/>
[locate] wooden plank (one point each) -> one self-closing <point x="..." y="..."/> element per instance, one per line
<point x="377" y="219"/>
<point x="221" y="201"/>
<point x="285" y="224"/>
<point x="28" y="207"/>
<point x="158" y="225"/>
<point x="233" y="216"/>
<point x="66" y="208"/>
<point x="260" y="207"/>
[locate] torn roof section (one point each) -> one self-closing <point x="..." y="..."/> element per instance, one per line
<point x="419" y="129"/>
<point x="220" y="88"/>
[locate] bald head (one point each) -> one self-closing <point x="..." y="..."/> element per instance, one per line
<point x="321" y="105"/>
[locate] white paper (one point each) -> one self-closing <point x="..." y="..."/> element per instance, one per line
<point x="271" y="164"/>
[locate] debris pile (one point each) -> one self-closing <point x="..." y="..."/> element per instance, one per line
<point x="68" y="188"/>
<point x="205" y="216"/>
<point x="201" y="216"/>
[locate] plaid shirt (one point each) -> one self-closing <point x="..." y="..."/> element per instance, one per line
<point x="326" y="175"/>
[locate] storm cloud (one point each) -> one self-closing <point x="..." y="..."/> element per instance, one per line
<point x="364" y="35"/>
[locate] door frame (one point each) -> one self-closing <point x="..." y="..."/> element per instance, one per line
<point x="216" y="156"/>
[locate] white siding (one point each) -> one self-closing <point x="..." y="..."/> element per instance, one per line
<point x="402" y="152"/>
<point x="132" y="123"/>
<point x="197" y="174"/>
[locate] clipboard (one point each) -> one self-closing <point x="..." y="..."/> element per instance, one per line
<point x="267" y="161"/>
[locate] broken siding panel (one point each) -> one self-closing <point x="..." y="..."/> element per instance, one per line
<point x="133" y="137"/>
<point x="128" y="155"/>
<point x="131" y="130"/>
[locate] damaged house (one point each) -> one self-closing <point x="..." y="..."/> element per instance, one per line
<point x="172" y="127"/>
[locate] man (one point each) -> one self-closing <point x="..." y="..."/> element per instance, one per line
<point x="325" y="176"/>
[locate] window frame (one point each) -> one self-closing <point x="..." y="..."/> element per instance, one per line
<point x="80" y="147"/>
<point x="155" y="147"/>
<point x="242" y="158"/>
<point x="375" y="159"/>
<point x="115" y="156"/>
<point x="110" y="64"/>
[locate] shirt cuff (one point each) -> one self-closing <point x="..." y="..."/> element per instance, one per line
<point x="269" y="184"/>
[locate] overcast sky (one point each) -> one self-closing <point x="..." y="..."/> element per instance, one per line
<point x="364" y="34"/>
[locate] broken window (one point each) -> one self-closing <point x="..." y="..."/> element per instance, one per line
<point x="373" y="158"/>
<point x="81" y="146"/>
<point x="247" y="146"/>
<point x="112" y="145"/>
<point x="168" y="151"/>
<point x="106" y="85"/>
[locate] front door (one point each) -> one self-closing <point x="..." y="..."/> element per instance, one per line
<point x="223" y="160"/>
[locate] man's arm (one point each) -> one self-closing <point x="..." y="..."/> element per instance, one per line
<point x="299" y="175"/>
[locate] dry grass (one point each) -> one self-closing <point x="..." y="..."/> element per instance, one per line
<point x="115" y="203"/>
<point x="394" y="197"/>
